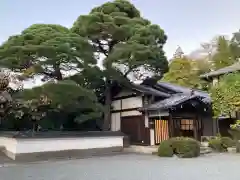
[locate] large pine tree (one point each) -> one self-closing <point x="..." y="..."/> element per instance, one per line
<point x="126" y="42"/>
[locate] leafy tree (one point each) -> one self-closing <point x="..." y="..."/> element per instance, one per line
<point x="235" y="45"/>
<point x="126" y="42"/>
<point x="64" y="97"/>
<point x="185" y="72"/>
<point x="226" y="95"/>
<point x="46" y="49"/>
<point x="53" y="52"/>
<point x="92" y="79"/>
<point x="224" y="55"/>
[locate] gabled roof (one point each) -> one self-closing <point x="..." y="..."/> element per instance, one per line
<point x="229" y="69"/>
<point x="172" y="101"/>
<point x="149" y="90"/>
<point x="181" y="89"/>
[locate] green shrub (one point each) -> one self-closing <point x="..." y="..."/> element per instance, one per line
<point x="185" y="147"/>
<point x="217" y="145"/>
<point x="181" y="146"/>
<point x="235" y="133"/>
<point x="227" y="142"/>
<point x="165" y="149"/>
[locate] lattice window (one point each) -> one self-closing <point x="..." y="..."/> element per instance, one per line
<point x="186" y="124"/>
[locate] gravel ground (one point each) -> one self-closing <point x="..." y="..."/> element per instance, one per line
<point x="128" y="167"/>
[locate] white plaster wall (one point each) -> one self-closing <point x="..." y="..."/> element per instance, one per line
<point x="152" y="138"/>
<point x="10" y="144"/>
<point x="60" y="144"/>
<point x="133" y="102"/>
<point x="115" y="122"/>
<point x="116" y="105"/>
<point x="146" y="120"/>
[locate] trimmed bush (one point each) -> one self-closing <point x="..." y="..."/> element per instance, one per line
<point x="165" y="149"/>
<point x="185" y="147"/>
<point x="235" y="133"/>
<point x="216" y="145"/>
<point x="181" y="146"/>
<point x="228" y="142"/>
<point x="220" y="144"/>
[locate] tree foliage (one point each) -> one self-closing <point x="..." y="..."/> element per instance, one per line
<point x="48" y="50"/>
<point x="64" y="96"/>
<point x="128" y="43"/>
<point x="185" y="72"/>
<point x="235" y="45"/>
<point x="226" y="95"/>
<point x="224" y="55"/>
<point x="117" y="31"/>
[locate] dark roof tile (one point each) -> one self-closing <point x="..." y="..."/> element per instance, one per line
<point x="229" y="69"/>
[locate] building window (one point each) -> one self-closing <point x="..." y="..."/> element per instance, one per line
<point x="186" y="124"/>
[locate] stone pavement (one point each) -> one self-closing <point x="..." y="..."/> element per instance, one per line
<point x="129" y="167"/>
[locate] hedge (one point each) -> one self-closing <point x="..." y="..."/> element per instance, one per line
<point x="180" y="146"/>
<point x="220" y="144"/>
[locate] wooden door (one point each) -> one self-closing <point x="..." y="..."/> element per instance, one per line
<point x="161" y="131"/>
<point x="134" y="127"/>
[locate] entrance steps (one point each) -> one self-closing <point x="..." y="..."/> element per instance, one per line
<point x="141" y="149"/>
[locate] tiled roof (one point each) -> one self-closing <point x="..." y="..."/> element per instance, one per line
<point x="229" y="69"/>
<point x="181" y="89"/>
<point x="172" y="101"/>
<point x="149" y="90"/>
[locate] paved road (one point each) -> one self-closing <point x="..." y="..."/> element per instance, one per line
<point x="129" y="167"/>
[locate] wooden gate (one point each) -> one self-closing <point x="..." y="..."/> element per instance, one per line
<point x="161" y="131"/>
<point x="134" y="127"/>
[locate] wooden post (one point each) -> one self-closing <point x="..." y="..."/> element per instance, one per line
<point x="195" y="131"/>
<point x="171" y="125"/>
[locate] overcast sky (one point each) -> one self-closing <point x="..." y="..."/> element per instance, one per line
<point x="187" y="23"/>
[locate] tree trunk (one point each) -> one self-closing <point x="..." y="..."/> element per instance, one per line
<point x="107" y="109"/>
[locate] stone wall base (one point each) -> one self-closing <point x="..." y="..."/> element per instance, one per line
<point x="66" y="154"/>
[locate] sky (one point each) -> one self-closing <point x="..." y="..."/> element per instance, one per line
<point x="187" y="23"/>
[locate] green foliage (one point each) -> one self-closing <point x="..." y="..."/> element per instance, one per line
<point x="118" y="32"/>
<point x="217" y="145"/>
<point x="227" y="142"/>
<point x="235" y="133"/>
<point x="68" y="97"/>
<point x="46" y="49"/>
<point x="226" y="95"/>
<point x="165" y="149"/>
<point x="236" y="125"/>
<point x="186" y="147"/>
<point x="129" y="44"/>
<point x="224" y="55"/>
<point x="185" y="72"/>
<point x="181" y="146"/>
<point x="235" y="130"/>
<point x="234" y="45"/>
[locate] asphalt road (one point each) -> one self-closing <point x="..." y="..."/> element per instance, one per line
<point x="128" y="167"/>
